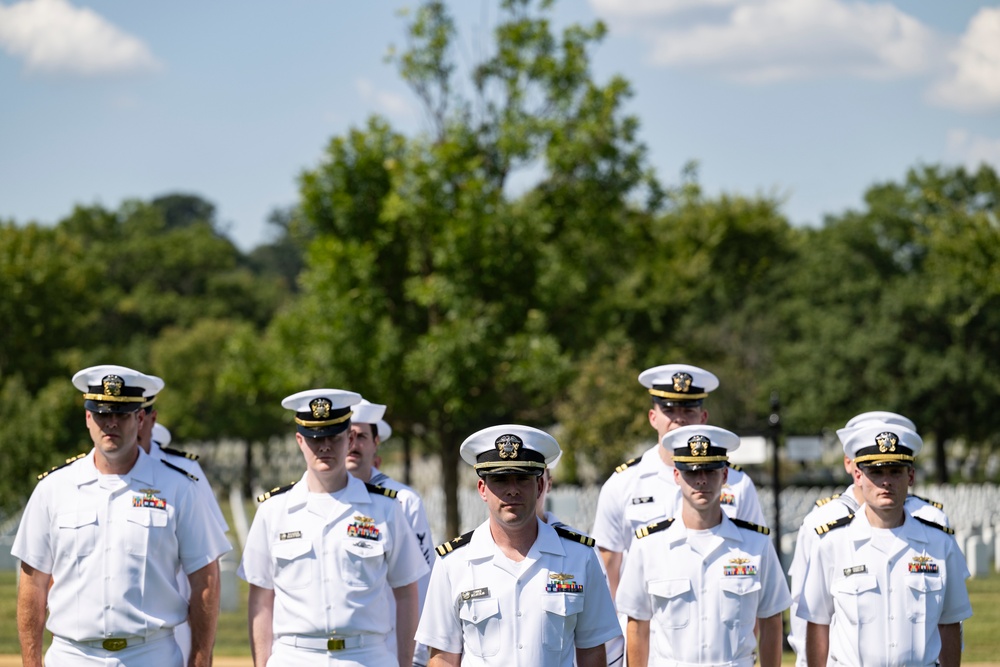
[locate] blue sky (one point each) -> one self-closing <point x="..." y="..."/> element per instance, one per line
<point x="811" y="101"/>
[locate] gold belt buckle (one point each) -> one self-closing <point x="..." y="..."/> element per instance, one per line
<point x="114" y="644"/>
<point x="335" y="644"/>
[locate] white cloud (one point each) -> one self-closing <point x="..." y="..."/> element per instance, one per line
<point x="54" y="37"/>
<point x="774" y="40"/>
<point x="972" y="150"/>
<point x="387" y="102"/>
<point x="974" y="84"/>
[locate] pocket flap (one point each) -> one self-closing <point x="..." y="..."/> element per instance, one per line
<point x="923" y="583"/>
<point x="563" y="604"/>
<point x="477" y="611"/>
<point x="77" y="519"/>
<point x="739" y="585"/>
<point x="668" y="588"/>
<point x="855" y="584"/>
<point x="364" y="548"/>
<point x="291" y="549"/>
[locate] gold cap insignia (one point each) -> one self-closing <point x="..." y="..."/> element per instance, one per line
<point x="699" y="445"/>
<point x="112" y="385"/>
<point x="508" y="445"/>
<point x="682" y="382"/>
<point x="320" y="408"/>
<point x="886" y="441"/>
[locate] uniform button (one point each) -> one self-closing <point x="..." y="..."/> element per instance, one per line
<point x="520" y="646"/>
<point x="519" y="614"/>
<point x="892" y="618"/>
<point x="475" y="618"/>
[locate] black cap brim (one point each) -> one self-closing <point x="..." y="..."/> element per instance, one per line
<point x="101" y="408"/>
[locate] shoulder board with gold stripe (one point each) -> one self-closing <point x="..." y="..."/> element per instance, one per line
<point x="827" y="527"/>
<point x="735" y="466"/>
<point x="932" y="503"/>
<point x="574" y="536"/>
<point x="763" y="530"/>
<point x="177" y="452"/>
<point x="273" y="492"/>
<point x="933" y="524"/>
<point x="625" y="466"/>
<point x="449" y="546"/>
<point x="70" y="460"/>
<point x="653" y="528"/>
<point x="380" y="490"/>
<point x="180" y="470"/>
<point x="828" y="499"/>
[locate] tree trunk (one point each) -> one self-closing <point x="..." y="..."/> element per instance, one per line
<point x="248" y="471"/>
<point x="449" y="474"/>
<point x="941" y="461"/>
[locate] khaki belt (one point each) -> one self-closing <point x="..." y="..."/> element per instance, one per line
<point x="334" y="643"/>
<point x="119" y="643"/>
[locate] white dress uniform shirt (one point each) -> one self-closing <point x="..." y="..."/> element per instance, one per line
<point x="645" y="493"/>
<point x="113" y="544"/>
<point x="702" y="592"/>
<point x="808" y="539"/>
<point x="884" y="592"/>
<point x="535" y="612"/>
<point x="329" y="559"/>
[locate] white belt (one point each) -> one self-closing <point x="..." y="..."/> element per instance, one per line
<point x="333" y="643"/>
<point x="124" y="641"/>
<point x="747" y="662"/>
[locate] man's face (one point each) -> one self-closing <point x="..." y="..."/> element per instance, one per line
<point x="511" y="499"/>
<point x="884" y="487"/>
<point x="114" y="434"/>
<point x="326" y="455"/>
<point x="361" y="454"/>
<point x="146" y="430"/>
<point x="701" y="489"/>
<point x="666" y="418"/>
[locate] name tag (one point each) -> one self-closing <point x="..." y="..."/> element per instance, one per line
<point x="857" y="569"/>
<point x="476" y="593"/>
<point x="291" y="535"/>
<point x="642" y="500"/>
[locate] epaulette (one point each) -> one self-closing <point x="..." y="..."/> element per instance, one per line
<point x="653" y="528"/>
<point x="180" y="470"/>
<point x="828" y="499"/>
<point x="177" y="452"/>
<point x="763" y="530"/>
<point x="932" y="503"/>
<point x="62" y="465"/>
<point x="574" y="536"/>
<point x="932" y="524"/>
<point x="827" y="527"/>
<point x="735" y="466"/>
<point x="380" y="490"/>
<point x="625" y="466"/>
<point x="449" y="546"/>
<point x="273" y="492"/>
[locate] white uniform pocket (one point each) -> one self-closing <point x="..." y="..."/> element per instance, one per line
<point x="856" y="598"/>
<point x="481" y="626"/>
<point x="739" y="599"/>
<point x="79" y="530"/>
<point x="294" y="563"/>
<point x="925" y="596"/>
<point x="672" y="601"/>
<point x="142" y="526"/>
<point x="363" y="562"/>
<point x="560" y="619"/>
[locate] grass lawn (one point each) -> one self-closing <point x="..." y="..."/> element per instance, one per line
<point x="982" y="641"/>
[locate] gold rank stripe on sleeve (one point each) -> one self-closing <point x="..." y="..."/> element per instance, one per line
<point x="763" y="530"/>
<point x="70" y="460"/>
<point x="380" y="490"/>
<point x="180" y="470"/>
<point x="177" y="452"/>
<point x="934" y="524"/>
<point x="274" y="492"/>
<point x="734" y="466"/>
<point x="449" y="546"/>
<point x="932" y="503"/>
<point x="645" y="531"/>
<point x="574" y="536"/>
<point x="827" y="527"/>
<point x="828" y="499"/>
<point x="625" y="466"/>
